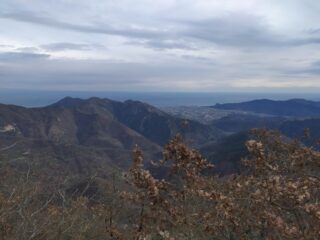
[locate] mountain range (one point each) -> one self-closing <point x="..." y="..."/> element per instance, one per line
<point x="84" y="136"/>
<point x="289" y="108"/>
<point x="96" y="136"/>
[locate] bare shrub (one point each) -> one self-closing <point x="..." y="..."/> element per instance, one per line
<point x="276" y="197"/>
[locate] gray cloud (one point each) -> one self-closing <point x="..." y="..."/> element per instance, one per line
<point x="6" y="45"/>
<point x="21" y="56"/>
<point x="235" y="30"/>
<point x="33" y="18"/>
<point x="27" y="49"/>
<point x="89" y="74"/>
<point x="242" y="30"/>
<point x="312" y="69"/>
<point x="62" y="46"/>
<point x="164" y="44"/>
<point x="204" y="60"/>
<point x="207" y="45"/>
<point x="315" y="68"/>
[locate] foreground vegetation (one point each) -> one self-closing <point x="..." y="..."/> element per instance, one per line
<point x="276" y="197"/>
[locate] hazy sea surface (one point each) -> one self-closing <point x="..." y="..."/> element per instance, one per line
<point x="161" y="99"/>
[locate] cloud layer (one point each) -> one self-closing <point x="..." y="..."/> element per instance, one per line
<point x="170" y="45"/>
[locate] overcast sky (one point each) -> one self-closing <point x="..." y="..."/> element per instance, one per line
<point x="165" y="45"/>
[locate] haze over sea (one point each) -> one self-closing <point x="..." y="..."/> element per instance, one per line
<point x="38" y="98"/>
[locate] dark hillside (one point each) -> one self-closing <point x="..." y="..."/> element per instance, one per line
<point x="227" y="153"/>
<point x="81" y="135"/>
<point x="290" y="108"/>
<point x="241" y="122"/>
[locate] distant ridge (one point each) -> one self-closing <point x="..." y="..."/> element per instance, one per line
<point x="83" y="134"/>
<point x="289" y="108"/>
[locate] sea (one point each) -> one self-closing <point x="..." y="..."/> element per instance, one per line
<point x="37" y="98"/>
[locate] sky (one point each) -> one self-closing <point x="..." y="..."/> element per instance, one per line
<point x="167" y="45"/>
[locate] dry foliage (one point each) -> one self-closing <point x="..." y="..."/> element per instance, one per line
<point x="277" y="197"/>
